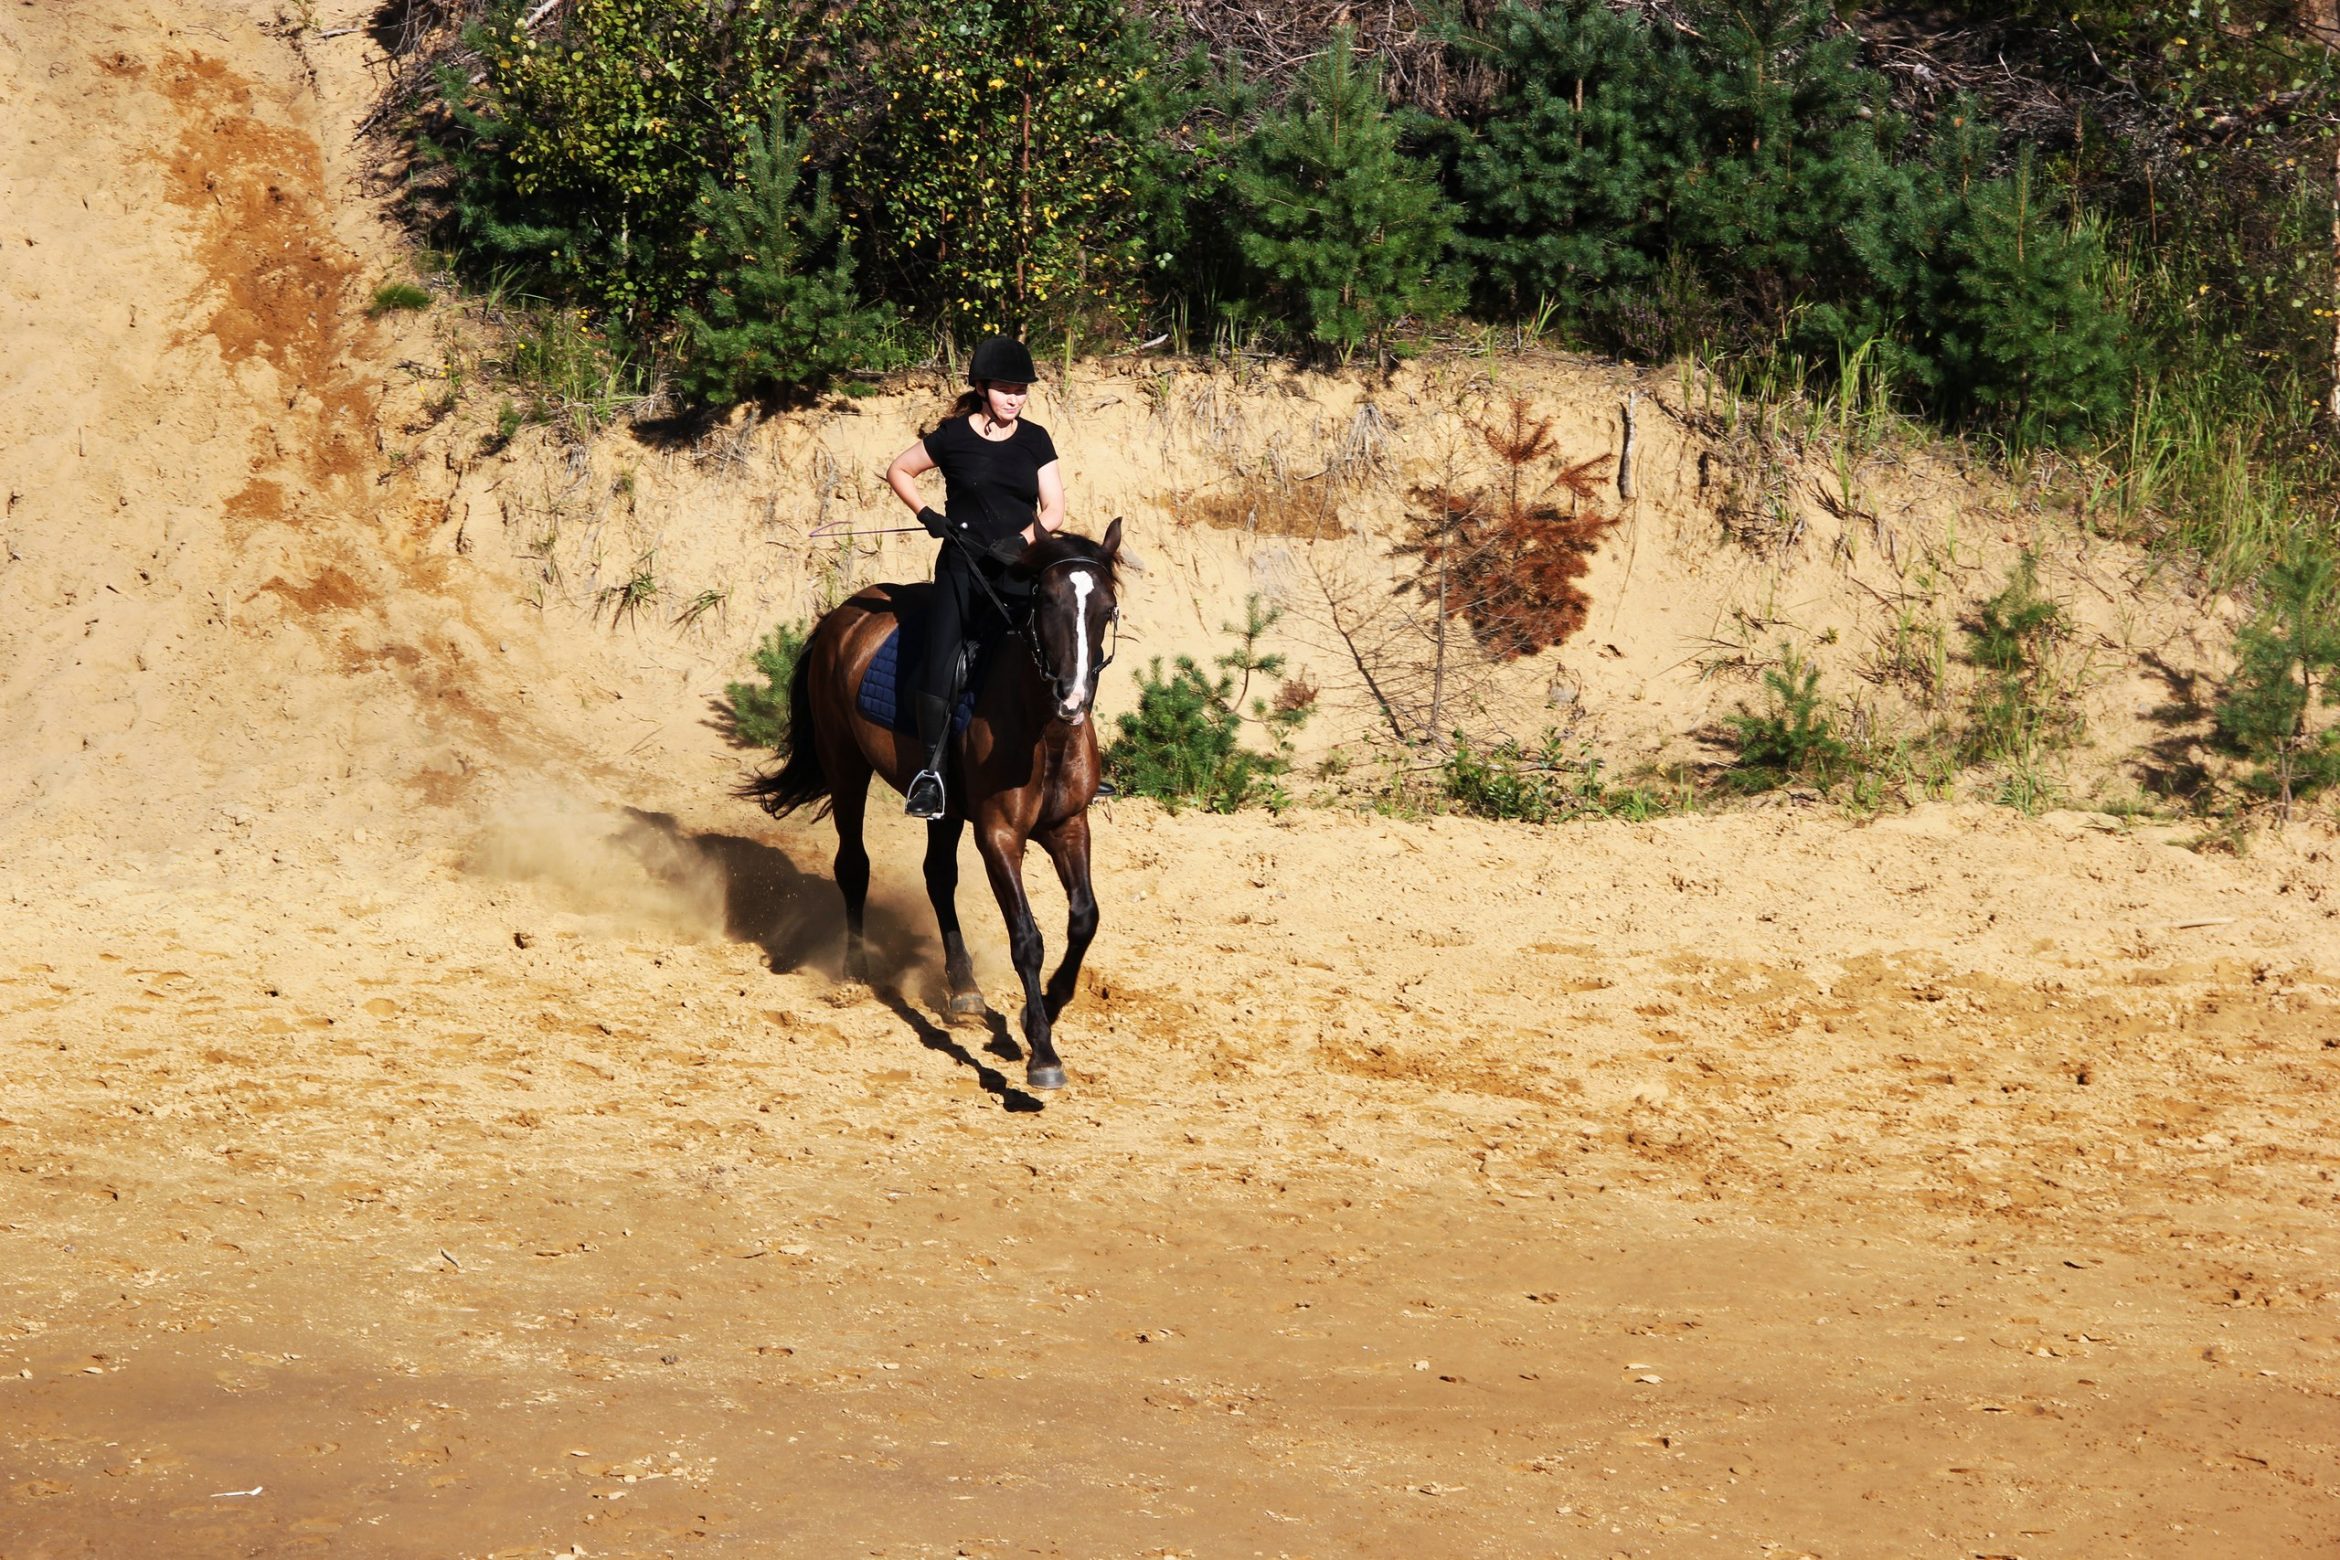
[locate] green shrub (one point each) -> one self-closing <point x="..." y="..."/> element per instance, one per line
<point x="2287" y="660"/>
<point x="990" y="169"/>
<point x="1183" y="744"/>
<point x="1345" y="234"/>
<point x="573" y="372"/>
<point x="758" y="711"/>
<point x="1546" y="785"/>
<point x="578" y="151"/>
<point x="1791" y="738"/>
<point x="509" y="421"/>
<point x="777" y="315"/>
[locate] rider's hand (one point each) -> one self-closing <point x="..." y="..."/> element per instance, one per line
<point x="1008" y="549"/>
<point x="936" y="526"/>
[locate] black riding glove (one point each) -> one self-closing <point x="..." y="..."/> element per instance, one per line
<point x="936" y="526"/>
<point x="1008" y="549"/>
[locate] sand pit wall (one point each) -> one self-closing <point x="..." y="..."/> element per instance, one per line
<point x="270" y="566"/>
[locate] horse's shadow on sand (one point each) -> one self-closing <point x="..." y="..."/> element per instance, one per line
<point x="797" y="919"/>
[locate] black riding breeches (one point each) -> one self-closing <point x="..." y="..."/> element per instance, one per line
<point x="959" y="613"/>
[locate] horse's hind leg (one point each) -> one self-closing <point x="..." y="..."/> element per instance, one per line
<point x="849" y="800"/>
<point x="964" y="1002"/>
<point x="1068" y="846"/>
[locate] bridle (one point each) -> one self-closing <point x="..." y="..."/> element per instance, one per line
<point x="1030" y="628"/>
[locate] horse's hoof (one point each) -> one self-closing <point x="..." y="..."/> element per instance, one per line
<point x="1044" y="1078"/>
<point x="965" y="1008"/>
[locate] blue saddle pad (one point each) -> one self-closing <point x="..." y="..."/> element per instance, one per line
<point x="883" y="686"/>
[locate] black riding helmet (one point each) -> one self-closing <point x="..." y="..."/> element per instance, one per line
<point x="1003" y="359"/>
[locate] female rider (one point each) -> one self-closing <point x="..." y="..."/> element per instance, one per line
<point x="1001" y="490"/>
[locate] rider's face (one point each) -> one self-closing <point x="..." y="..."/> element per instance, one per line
<point x="1005" y="398"/>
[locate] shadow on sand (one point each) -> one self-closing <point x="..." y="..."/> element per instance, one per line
<point x="936" y="1038"/>
<point x="797" y="919"/>
<point x="2172" y="764"/>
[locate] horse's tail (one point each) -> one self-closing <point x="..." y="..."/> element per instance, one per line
<point x="800" y="779"/>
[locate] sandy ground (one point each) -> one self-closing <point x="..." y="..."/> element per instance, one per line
<point x="430" y="1123"/>
<point x="1439" y="1188"/>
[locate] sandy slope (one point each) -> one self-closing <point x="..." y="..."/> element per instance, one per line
<point x="398" y="1127"/>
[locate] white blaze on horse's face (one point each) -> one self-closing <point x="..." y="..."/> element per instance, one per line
<point x="1076" y="708"/>
<point x="1076" y="600"/>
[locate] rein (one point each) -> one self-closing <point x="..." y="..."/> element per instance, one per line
<point x="1028" y="630"/>
<point x="1028" y="627"/>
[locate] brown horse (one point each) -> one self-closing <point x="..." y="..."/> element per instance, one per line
<point x="1026" y="768"/>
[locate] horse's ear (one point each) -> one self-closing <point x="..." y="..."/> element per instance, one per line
<point x="1112" y="542"/>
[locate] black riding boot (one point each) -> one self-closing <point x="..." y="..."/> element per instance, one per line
<point x="925" y="797"/>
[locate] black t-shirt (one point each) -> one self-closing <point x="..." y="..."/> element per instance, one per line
<point x="992" y="485"/>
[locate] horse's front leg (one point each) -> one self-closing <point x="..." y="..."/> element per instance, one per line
<point x="1002" y="848"/>
<point x="1067" y="845"/>
<point x="964" y="1002"/>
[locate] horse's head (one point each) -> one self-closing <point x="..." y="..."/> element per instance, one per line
<point x="1074" y="608"/>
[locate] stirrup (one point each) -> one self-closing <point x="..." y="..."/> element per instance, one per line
<point x="925" y="796"/>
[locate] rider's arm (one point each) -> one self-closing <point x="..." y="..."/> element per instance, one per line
<point x="902" y="476"/>
<point x="1051" y="498"/>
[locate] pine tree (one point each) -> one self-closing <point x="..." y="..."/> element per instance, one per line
<point x="759" y="711"/>
<point x="1503" y="563"/>
<point x="1345" y="232"/>
<point x="1793" y="147"/>
<point x="2021" y="335"/>
<point x="1900" y="243"/>
<point x="2287" y="659"/>
<point x="1567" y="181"/>
<point x="2019" y="707"/>
<point x="1187" y="119"/>
<point x="1791" y="738"/>
<point x="1183" y="742"/>
<point x="775" y="315"/>
<point x="1793" y="171"/>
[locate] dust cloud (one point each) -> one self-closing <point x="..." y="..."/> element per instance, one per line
<point x="621" y="871"/>
<point x="617" y="871"/>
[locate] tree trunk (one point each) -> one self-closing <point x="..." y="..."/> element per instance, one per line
<point x="1625" y="453"/>
<point x="2320" y="21"/>
<point x="1438" y="665"/>
<point x="1023" y="217"/>
<point x="2332" y="402"/>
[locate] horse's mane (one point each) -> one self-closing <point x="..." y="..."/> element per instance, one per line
<point x="1064" y="547"/>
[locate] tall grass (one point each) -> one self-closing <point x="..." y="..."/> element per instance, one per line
<point x="576" y="376"/>
<point x="2195" y="466"/>
<point x="2221" y="453"/>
